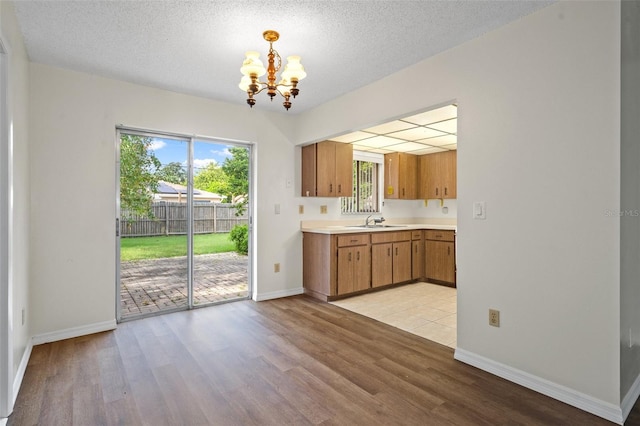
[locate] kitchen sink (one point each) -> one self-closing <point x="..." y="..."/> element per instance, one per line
<point x="376" y="226"/>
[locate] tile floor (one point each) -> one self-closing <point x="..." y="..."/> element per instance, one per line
<point x="428" y="310"/>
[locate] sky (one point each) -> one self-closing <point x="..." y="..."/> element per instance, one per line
<point x="170" y="150"/>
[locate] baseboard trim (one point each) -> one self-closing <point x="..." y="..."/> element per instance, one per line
<point x="22" y="368"/>
<point x="69" y="333"/>
<point x="630" y="398"/>
<point x="278" y="294"/>
<point x="569" y="396"/>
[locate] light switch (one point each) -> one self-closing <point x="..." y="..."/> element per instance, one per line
<point x="479" y="210"/>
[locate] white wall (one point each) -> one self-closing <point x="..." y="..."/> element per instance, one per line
<point x="19" y="179"/>
<point x="538" y="140"/>
<point x="630" y="199"/>
<point x="73" y="118"/>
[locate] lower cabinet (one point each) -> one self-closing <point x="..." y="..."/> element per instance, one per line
<point x="390" y="258"/>
<point x="440" y="256"/>
<point x="417" y="255"/>
<point x="354" y="269"/>
<point x="334" y="266"/>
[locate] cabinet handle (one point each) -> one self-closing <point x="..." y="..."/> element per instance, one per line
<point x="436" y="191"/>
<point x="445" y="190"/>
<point x="349" y="257"/>
<point x="339" y="188"/>
<point x="403" y="192"/>
<point x="358" y="256"/>
<point x="388" y="251"/>
<point x="396" y="251"/>
<point x="353" y="241"/>
<point x="416" y="248"/>
<point x="448" y="251"/>
<point x="330" y="188"/>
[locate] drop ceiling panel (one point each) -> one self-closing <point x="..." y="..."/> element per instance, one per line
<point x="416" y="133"/>
<point x="393" y="126"/>
<point x="379" y="142"/>
<point x="440" y="140"/>
<point x="352" y="137"/>
<point x="429" y="150"/>
<point x="407" y="147"/>
<point x="449" y="126"/>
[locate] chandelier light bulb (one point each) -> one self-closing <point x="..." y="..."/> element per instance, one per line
<point x="253" y="65"/>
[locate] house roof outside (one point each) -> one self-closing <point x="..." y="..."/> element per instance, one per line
<point x="169" y="191"/>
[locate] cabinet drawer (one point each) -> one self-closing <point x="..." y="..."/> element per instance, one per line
<point x="438" y="235"/>
<point x="353" y="240"/>
<point x="389" y="237"/>
<point x="416" y="235"/>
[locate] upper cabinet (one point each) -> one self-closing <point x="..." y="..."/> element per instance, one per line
<point x="400" y="176"/>
<point x="327" y="169"/>
<point x="437" y="175"/>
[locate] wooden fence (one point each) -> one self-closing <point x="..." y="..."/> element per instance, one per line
<point x="171" y="219"/>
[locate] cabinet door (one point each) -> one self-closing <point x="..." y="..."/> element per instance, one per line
<point x="440" y="260"/>
<point x="402" y="261"/>
<point x="344" y="170"/>
<point x="381" y="264"/>
<point x="362" y="268"/>
<point x="391" y="175"/>
<point x="408" y="176"/>
<point x="417" y="259"/>
<point x="309" y="183"/>
<point x="345" y="270"/>
<point x="326" y="169"/>
<point x="448" y="174"/>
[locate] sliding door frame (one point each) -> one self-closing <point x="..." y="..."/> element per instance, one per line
<point x="190" y="140"/>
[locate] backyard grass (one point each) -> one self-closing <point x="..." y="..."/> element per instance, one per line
<point x="138" y="248"/>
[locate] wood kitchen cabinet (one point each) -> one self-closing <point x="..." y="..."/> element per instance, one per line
<point x="327" y="169"/>
<point x="437" y="175"/>
<point x="417" y="255"/>
<point x="400" y="176"/>
<point x="354" y="269"/>
<point x="390" y="258"/>
<point x="335" y="265"/>
<point x="440" y="257"/>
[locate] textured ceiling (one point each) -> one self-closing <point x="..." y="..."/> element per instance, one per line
<point x="197" y="47"/>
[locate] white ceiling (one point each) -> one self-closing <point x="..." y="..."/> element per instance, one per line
<point x="197" y="47"/>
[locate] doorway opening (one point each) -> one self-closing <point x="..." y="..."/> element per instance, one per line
<point x="183" y="222"/>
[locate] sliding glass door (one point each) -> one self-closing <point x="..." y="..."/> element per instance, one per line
<point x="180" y="201"/>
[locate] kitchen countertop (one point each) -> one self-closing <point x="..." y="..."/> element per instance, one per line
<point x="327" y="228"/>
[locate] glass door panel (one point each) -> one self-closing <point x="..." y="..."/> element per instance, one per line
<point x="220" y="210"/>
<point x="154" y="225"/>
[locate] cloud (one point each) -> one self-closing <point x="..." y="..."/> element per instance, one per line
<point x="157" y="144"/>
<point x="201" y="163"/>
<point x="222" y="153"/>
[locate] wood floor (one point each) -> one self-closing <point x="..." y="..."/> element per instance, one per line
<point x="286" y="361"/>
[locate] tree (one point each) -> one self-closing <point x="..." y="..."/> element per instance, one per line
<point x="236" y="168"/>
<point x="173" y="173"/>
<point x="212" y="179"/>
<point x="138" y="180"/>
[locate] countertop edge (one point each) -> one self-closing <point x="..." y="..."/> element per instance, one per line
<point x="342" y="229"/>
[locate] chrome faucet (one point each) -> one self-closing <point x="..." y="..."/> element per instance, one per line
<point x="376" y="220"/>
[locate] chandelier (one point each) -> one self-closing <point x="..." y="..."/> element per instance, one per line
<point x="252" y="69"/>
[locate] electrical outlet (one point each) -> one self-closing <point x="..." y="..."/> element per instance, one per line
<point x="276" y="267"/>
<point x="323" y="209"/>
<point x="301" y="209"/>
<point x="494" y="317"/>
